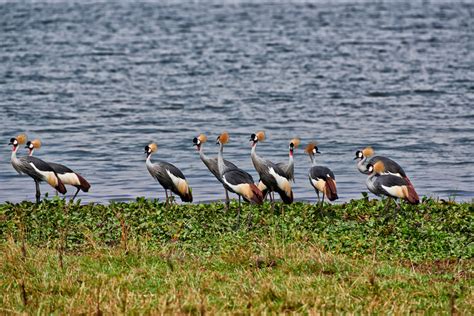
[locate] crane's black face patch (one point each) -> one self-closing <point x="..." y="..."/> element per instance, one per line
<point x="359" y="154"/>
<point x="13" y="142"/>
<point x="29" y="145"/>
<point x="196" y="141"/>
<point x="217" y="140"/>
<point x="147" y="149"/>
<point x="292" y="146"/>
<point x="253" y="138"/>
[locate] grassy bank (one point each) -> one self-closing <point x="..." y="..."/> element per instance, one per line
<point x="142" y="257"/>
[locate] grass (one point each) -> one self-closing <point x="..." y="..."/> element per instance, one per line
<point x="141" y="258"/>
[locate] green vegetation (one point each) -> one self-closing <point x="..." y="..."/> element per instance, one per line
<point x="358" y="257"/>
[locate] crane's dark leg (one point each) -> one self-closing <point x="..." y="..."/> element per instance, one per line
<point x="322" y="202"/>
<point x="227" y="200"/>
<point x="238" y="215"/>
<point x="317" y="193"/>
<point x="166" y="193"/>
<point x="74" y="194"/>
<point x="171" y="198"/>
<point x="38" y="192"/>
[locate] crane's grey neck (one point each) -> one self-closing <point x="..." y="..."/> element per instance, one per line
<point x="148" y="160"/>
<point x="256" y="159"/>
<point x="313" y="160"/>
<point x="361" y="166"/>
<point x="14" y="157"/>
<point x="220" y="159"/>
<point x="202" y="155"/>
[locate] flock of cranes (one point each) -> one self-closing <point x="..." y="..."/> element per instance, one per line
<point x="385" y="176"/>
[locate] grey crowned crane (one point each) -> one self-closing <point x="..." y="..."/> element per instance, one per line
<point x="35" y="168"/>
<point x="390" y="167"/>
<point x="379" y="182"/>
<point x="271" y="175"/>
<point x="321" y="178"/>
<point x="170" y="177"/>
<point x="288" y="168"/>
<point x="237" y="180"/>
<point x="67" y="176"/>
<point x="211" y="164"/>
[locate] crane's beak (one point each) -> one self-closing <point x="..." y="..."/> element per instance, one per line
<point x="356" y="158"/>
<point x="10" y="143"/>
<point x="318" y="152"/>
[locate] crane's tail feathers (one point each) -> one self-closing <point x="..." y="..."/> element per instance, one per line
<point x="83" y="184"/>
<point x="412" y="197"/>
<point x="285" y="197"/>
<point x="60" y="186"/>
<point x="256" y="194"/>
<point x="331" y="191"/>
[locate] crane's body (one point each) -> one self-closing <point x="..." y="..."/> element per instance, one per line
<point x="169" y="176"/>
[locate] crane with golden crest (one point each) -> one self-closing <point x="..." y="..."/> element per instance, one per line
<point x="381" y="183"/>
<point x="34" y="167"/>
<point x="169" y="176"/>
<point x="237" y="180"/>
<point x="67" y="176"/>
<point x="387" y="167"/>
<point x="271" y="175"/>
<point x="288" y="168"/>
<point x="321" y="178"/>
<point x="211" y="164"/>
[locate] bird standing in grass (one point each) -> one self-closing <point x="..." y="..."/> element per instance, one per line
<point x="211" y="164"/>
<point x="381" y="183"/>
<point x="35" y="168"/>
<point x="388" y="167"/>
<point x="170" y="177"/>
<point x="288" y="168"/>
<point x="321" y="178"/>
<point x="66" y="175"/>
<point x="237" y="180"/>
<point x="271" y="175"/>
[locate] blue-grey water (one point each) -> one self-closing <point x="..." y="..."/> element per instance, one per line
<point x="98" y="82"/>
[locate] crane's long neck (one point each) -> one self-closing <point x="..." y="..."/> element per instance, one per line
<point x="148" y="160"/>
<point x="220" y="159"/>
<point x="361" y="164"/>
<point x="14" y="157"/>
<point x="202" y="155"/>
<point x="31" y="152"/>
<point x="256" y="160"/>
<point x="291" y="161"/>
<point x="313" y="160"/>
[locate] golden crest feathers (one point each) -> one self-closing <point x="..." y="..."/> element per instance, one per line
<point x="368" y="151"/>
<point x="309" y="148"/>
<point x="379" y="167"/>
<point x="21" y="139"/>
<point x="295" y="141"/>
<point x="153" y="147"/>
<point x="260" y="136"/>
<point x="224" y="138"/>
<point x="36" y="143"/>
<point x="202" y="138"/>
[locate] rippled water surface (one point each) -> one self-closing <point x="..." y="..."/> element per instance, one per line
<point x="97" y="82"/>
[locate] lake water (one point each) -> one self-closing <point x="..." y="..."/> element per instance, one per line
<point x="98" y="82"/>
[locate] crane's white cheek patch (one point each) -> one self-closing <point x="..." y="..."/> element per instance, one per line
<point x="69" y="178"/>
<point x="180" y="184"/>
<point x="395" y="191"/>
<point x="282" y="182"/>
